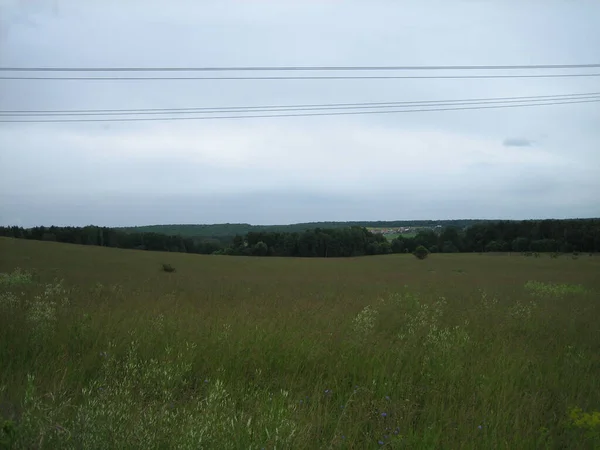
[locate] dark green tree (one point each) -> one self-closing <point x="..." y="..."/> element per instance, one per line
<point x="421" y="252"/>
<point x="260" y="249"/>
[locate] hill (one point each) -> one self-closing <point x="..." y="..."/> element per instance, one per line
<point x="231" y="229"/>
<point x="102" y="349"/>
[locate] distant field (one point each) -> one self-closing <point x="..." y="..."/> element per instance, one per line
<point x="392" y="236"/>
<point x="456" y="351"/>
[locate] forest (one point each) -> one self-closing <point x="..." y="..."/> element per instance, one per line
<point x="228" y="230"/>
<point x="564" y="236"/>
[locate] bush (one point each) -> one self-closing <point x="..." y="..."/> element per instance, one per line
<point x="18" y="277"/>
<point x="168" y="268"/>
<point x="421" y="252"/>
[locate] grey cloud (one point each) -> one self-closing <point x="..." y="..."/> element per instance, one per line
<point x="258" y="207"/>
<point x="388" y="166"/>
<point x="517" y="142"/>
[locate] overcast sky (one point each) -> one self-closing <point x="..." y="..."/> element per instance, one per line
<point x="514" y="163"/>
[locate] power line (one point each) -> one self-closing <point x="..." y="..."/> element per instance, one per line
<point x="295" y="68"/>
<point x="311" y="77"/>
<point x="303" y="107"/>
<point x="567" y="102"/>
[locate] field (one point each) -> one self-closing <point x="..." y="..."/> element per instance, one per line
<point x="101" y="349"/>
<point x="392" y="236"/>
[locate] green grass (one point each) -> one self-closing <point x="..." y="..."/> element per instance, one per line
<point x="100" y="348"/>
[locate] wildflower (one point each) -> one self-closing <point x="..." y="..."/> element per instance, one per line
<point x="383" y="414"/>
<point x="380" y="442"/>
<point x="480" y="427"/>
<point x="387" y="397"/>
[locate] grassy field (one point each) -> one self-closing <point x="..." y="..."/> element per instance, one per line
<point x="392" y="236"/>
<point x="100" y="349"/>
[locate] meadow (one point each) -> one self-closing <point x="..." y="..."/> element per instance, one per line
<point x="101" y="349"/>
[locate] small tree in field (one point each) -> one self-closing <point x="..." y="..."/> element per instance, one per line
<point x="168" y="268"/>
<point x="421" y="252"/>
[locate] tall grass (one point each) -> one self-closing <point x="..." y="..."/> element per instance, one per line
<point x="98" y="349"/>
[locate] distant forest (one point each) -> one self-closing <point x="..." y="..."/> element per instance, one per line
<point x="575" y="235"/>
<point x="233" y="229"/>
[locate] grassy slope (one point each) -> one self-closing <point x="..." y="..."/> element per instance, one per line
<point x="253" y="353"/>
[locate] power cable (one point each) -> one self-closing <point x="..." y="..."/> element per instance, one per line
<point x="291" y="108"/>
<point x="299" y="114"/>
<point x="295" y="68"/>
<point x="315" y="77"/>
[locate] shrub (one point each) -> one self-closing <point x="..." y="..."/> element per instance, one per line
<point x="421" y="252"/>
<point x="18" y="277"/>
<point x="541" y="289"/>
<point x="168" y="268"/>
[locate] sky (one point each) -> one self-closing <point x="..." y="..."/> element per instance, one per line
<point x="513" y="163"/>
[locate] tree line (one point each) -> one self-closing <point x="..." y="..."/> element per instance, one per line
<point x="564" y="236"/>
<point x="574" y="235"/>
<point x="581" y="235"/>
<point x="231" y="229"/>
<point x="110" y="237"/>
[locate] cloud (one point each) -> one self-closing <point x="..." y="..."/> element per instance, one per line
<point x="378" y="166"/>
<point x="332" y="156"/>
<point x="289" y="171"/>
<point x="517" y="142"/>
